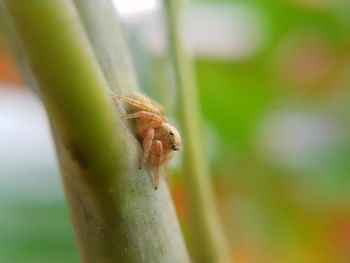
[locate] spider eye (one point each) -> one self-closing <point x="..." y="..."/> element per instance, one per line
<point x="174" y="148"/>
<point x="171" y="133"/>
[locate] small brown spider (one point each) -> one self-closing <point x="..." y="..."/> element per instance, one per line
<point x="157" y="136"/>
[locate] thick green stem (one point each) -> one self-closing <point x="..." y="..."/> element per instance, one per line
<point x="210" y="242"/>
<point x="117" y="215"/>
<point x="63" y="64"/>
<point x="107" y="39"/>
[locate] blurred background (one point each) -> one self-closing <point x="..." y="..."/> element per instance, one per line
<point x="273" y="80"/>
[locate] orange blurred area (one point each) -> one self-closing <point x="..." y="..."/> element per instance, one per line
<point x="9" y="72"/>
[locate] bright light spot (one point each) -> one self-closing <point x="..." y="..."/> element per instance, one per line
<point x="135" y="7"/>
<point x="219" y="31"/>
<point x="225" y="31"/>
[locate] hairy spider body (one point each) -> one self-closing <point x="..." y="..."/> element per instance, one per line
<point x="157" y="137"/>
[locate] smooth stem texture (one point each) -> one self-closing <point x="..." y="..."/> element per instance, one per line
<point x="117" y="215"/>
<point x="67" y="74"/>
<point x="210" y="242"/>
<point x="107" y="39"/>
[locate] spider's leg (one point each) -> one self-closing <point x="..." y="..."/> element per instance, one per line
<point x="133" y="102"/>
<point x="157" y="151"/>
<point x="146" y="115"/>
<point x="149" y="125"/>
<point x="147" y="146"/>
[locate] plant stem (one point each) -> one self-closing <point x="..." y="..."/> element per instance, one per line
<point x="210" y="241"/>
<point x="117" y="215"/>
<point x="107" y="39"/>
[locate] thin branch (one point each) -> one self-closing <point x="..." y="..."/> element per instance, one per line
<point x="209" y="238"/>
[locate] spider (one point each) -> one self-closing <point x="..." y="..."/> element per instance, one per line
<point x="157" y="137"/>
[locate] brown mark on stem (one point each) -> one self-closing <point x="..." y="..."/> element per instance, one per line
<point x="77" y="154"/>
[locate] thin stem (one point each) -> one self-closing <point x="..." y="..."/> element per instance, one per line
<point x="117" y="215"/>
<point x="210" y="242"/>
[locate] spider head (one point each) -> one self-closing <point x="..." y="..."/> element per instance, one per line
<point x="174" y="138"/>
